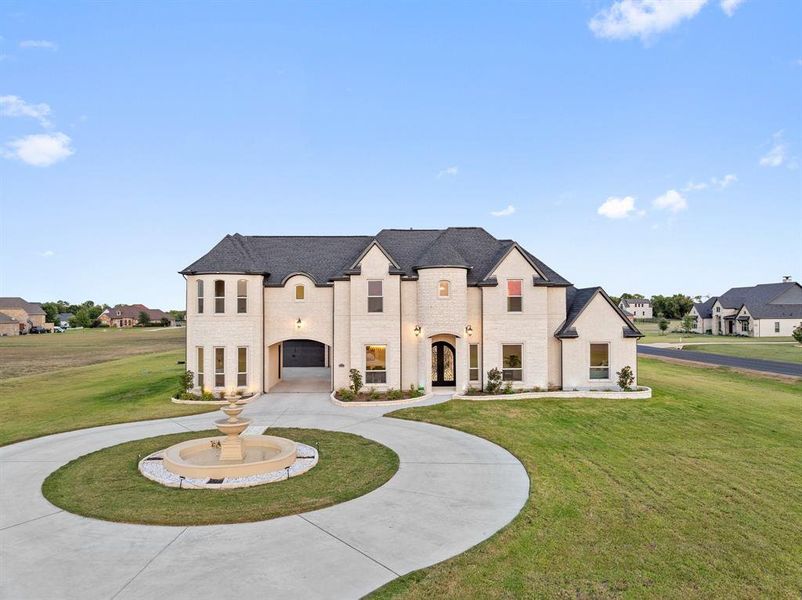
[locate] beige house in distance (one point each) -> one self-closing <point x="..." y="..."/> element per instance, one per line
<point x="638" y="308"/>
<point x="430" y="308"/>
<point x="18" y="316"/>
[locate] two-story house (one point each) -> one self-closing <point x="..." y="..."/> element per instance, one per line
<point x="639" y="308"/>
<point x="430" y="308"/>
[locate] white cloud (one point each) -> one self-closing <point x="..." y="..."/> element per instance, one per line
<point x="672" y="200"/>
<point x="14" y="106"/>
<point x="718" y="183"/>
<point x="695" y="187"/>
<point x="46" y="44"/>
<point x="617" y="208"/>
<point x="449" y="172"/>
<point x="729" y="6"/>
<point x="47" y="254"/>
<point x="645" y="19"/>
<point x="725" y="181"/>
<point x="41" y="149"/>
<point x="778" y="153"/>
<point x="504" y="212"/>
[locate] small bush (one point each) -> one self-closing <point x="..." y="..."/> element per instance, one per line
<point x="493" y="381"/>
<point x="394" y="394"/>
<point x="507" y="388"/>
<point x="355" y="375"/>
<point x="185" y="381"/>
<point x="414" y="391"/>
<point x="626" y="378"/>
<point x="797" y="333"/>
<point x="207" y="395"/>
<point x="345" y="394"/>
<point x="374" y="394"/>
<point x="472" y="391"/>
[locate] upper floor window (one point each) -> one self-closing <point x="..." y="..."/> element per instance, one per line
<point x="776" y="327"/>
<point x="219" y="296"/>
<point x="600" y="361"/>
<point x="200" y="296"/>
<point x="514" y="299"/>
<point x="443" y="289"/>
<point x="375" y="296"/>
<point x="300" y="292"/>
<point x="718" y="309"/>
<point x="242" y="296"/>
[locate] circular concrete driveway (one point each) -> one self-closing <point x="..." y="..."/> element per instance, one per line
<point x="452" y="490"/>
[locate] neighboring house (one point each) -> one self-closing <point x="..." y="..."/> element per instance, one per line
<point x="127" y="315"/>
<point x="8" y="325"/>
<point x="64" y="318"/>
<point x="639" y="308"/>
<point x="430" y="308"/>
<point x="765" y="310"/>
<point x="25" y="314"/>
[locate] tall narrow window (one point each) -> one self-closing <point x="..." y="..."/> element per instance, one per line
<point x="200" y="368"/>
<point x="220" y="367"/>
<point x="376" y="364"/>
<point x="242" y="296"/>
<point x="512" y="364"/>
<point x="242" y="367"/>
<point x="514" y="299"/>
<point x="473" y="365"/>
<point x="200" y="296"/>
<point x="443" y="289"/>
<point x="300" y="292"/>
<point x="375" y="296"/>
<point x="599" y="361"/>
<point x="776" y="327"/>
<point x="219" y="296"/>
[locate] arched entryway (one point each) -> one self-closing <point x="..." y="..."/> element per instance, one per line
<point x="298" y="365"/>
<point x="444" y="364"/>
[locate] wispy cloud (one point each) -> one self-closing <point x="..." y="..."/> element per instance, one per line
<point x="617" y="207"/>
<point x="504" y="212"/>
<point x="14" y="106"/>
<point x="729" y="6"/>
<point x="778" y="153"/>
<point x="45" y="44"/>
<point x="672" y="201"/>
<point x="718" y="183"/>
<point x="625" y="19"/>
<point x="41" y="149"/>
<point x="449" y="172"/>
<point x="47" y="254"/>
<point x="725" y="181"/>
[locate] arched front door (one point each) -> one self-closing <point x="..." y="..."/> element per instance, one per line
<point x="443" y="364"/>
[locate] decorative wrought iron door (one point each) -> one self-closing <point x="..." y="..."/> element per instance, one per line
<point x="443" y="364"/>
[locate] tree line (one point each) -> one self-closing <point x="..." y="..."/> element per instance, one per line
<point x="84" y="314"/>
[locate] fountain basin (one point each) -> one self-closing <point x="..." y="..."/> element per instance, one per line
<point x="232" y="428"/>
<point x="200" y="458"/>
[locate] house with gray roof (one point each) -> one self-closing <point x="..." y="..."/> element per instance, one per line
<point x="637" y="308"/>
<point x="435" y="308"/>
<point x="17" y="316"/>
<point x="763" y="310"/>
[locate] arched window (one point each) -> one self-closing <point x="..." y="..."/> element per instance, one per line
<point x="242" y="296"/>
<point x="443" y="289"/>
<point x="219" y="296"/>
<point x="200" y="296"/>
<point x="300" y="292"/>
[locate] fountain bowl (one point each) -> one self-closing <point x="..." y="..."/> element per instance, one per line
<point x="200" y="458"/>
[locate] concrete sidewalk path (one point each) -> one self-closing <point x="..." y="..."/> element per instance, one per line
<point x="452" y="491"/>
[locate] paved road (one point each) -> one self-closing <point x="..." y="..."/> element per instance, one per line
<point x="766" y="366"/>
<point x="452" y="491"/>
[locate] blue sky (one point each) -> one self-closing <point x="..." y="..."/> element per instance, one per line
<point x="649" y="147"/>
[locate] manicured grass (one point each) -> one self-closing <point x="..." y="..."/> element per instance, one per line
<point x="135" y="388"/>
<point x="32" y="354"/>
<point x="673" y="338"/>
<point x="108" y="485"/>
<point x="694" y="493"/>
<point x="791" y="353"/>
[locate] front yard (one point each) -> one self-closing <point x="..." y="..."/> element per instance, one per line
<point x="694" y="493"/>
<point x="791" y="353"/>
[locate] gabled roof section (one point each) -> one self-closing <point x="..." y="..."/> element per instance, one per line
<point x="442" y="252"/>
<point x="577" y="300"/>
<point x="705" y="309"/>
<point x="760" y="300"/>
<point x="15" y="302"/>
<point x="364" y="253"/>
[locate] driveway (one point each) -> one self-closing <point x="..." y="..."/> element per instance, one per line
<point x="452" y="491"/>
<point x="303" y="380"/>
<point x="752" y="364"/>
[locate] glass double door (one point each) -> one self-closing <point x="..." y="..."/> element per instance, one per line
<point x="443" y="364"/>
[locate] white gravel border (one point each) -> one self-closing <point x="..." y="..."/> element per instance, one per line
<point x="154" y="470"/>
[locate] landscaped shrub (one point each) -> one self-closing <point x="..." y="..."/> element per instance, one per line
<point x="414" y="391"/>
<point x="507" y="388"/>
<point x="355" y="375"/>
<point x="472" y="391"/>
<point x="394" y="394"/>
<point x="493" y="381"/>
<point x="207" y="395"/>
<point x="345" y="394"/>
<point x="185" y="381"/>
<point x="626" y="378"/>
<point x="797" y="333"/>
<point x="374" y="394"/>
<point x="663" y="325"/>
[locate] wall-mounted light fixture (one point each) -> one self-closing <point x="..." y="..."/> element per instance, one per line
<point x="298" y="323"/>
<point x="469" y="330"/>
<point x="417" y="330"/>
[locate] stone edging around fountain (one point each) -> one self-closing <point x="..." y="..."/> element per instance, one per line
<point x="152" y="467"/>
<point x="379" y="402"/>
<point x="246" y="400"/>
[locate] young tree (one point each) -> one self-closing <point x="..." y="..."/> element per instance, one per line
<point x="797" y="333"/>
<point x="663" y="325"/>
<point x="626" y="378"/>
<point x="144" y="318"/>
<point x="355" y="376"/>
<point x="687" y="323"/>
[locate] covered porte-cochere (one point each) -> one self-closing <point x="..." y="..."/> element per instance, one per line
<point x="298" y="365"/>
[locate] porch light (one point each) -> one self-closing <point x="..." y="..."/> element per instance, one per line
<point x="469" y="330"/>
<point x="298" y="323"/>
<point x="417" y="330"/>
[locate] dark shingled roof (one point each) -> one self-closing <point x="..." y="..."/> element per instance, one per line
<point x="32" y="308"/>
<point x="326" y="258"/>
<point x="766" y="300"/>
<point x="4" y="318"/>
<point x="705" y="309"/>
<point x="575" y="302"/>
<point x="626" y="301"/>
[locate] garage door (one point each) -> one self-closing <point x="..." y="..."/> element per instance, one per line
<point x="304" y="353"/>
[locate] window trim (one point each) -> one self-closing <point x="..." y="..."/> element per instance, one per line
<point x="200" y="358"/>
<point x="384" y="371"/>
<point x="302" y="287"/>
<point x="381" y="296"/>
<point x="244" y="373"/>
<point x="220" y="298"/>
<point x="243" y="297"/>
<point x="508" y="296"/>
<point x="219" y="373"/>
<point x="521" y="368"/>
<point x="448" y="289"/>
<point x="477" y="368"/>
<point x="609" y="361"/>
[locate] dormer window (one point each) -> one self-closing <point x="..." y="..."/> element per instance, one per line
<point x="300" y="292"/>
<point x="118" y="313"/>
<point x="443" y="289"/>
<point x="375" y="296"/>
<point x="514" y="295"/>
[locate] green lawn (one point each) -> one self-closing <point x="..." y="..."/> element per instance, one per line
<point x="135" y="388"/>
<point x="673" y="338"/>
<point x="107" y="484"/>
<point x="694" y="493"/>
<point x="781" y="352"/>
<point x="32" y="354"/>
